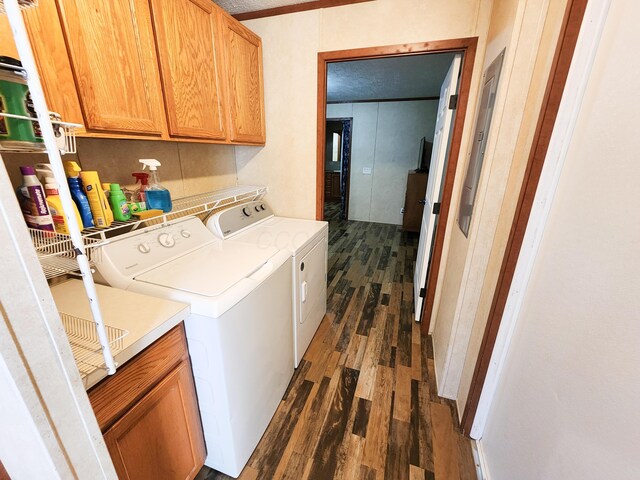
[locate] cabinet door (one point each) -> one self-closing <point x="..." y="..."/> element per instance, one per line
<point x="187" y="35"/>
<point x="113" y="57"/>
<point x="244" y="77"/>
<point x="160" y="436"/>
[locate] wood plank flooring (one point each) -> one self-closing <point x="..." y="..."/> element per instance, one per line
<point x="363" y="404"/>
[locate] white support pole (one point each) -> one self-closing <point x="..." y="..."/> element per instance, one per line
<point x="37" y="94"/>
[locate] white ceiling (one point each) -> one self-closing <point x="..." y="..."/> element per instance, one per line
<point x="387" y="78"/>
<point x="243" y="6"/>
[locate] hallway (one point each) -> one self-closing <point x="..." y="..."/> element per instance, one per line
<point x="362" y="404"/>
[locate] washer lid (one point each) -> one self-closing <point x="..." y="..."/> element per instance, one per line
<point x="210" y="270"/>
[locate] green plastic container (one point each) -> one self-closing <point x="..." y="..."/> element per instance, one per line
<point x="118" y="203"/>
<point x="16" y="134"/>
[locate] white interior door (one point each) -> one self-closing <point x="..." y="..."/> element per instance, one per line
<point x="436" y="172"/>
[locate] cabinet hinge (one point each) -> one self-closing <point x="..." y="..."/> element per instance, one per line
<point x="453" y="102"/>
<point x="436" y="208"/>
<point x="423" y="292"/>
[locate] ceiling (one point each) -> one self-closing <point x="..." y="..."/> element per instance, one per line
<point x="411" y="76"/>
<point x="242" y="6"/>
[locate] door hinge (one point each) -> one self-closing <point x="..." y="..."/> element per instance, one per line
<point x="436" y="208"/>
<point x="453" y="102"/>
<point x="423" y="292"/>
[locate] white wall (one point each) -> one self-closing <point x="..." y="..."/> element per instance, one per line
<point x="567" y="402"/>
<point x="287" y="164"/>
<point x="386" y="139"/>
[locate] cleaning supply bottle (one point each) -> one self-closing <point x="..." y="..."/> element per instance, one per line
<point x="157" y="197"/>
<point x="72" y="169"/>
<point x="32" y="201"/>
<point x="102" y="215"/>
<point x="118" y="203"/>
<point x="139" y="193"/>
<point x="54" y="202"/>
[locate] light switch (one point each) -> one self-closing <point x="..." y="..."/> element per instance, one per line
<point x="366" y="170"/>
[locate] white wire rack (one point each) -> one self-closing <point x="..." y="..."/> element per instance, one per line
<point x="85" y="343"/>
<point x="57" y="254"/>
<point x="65" y="133"/>
<point x="193" y="205"/>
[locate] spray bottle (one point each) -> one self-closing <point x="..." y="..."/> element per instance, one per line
<point x="72" y="169"/>
<point x="157" y="197"/>
<point x="45" y="174"/>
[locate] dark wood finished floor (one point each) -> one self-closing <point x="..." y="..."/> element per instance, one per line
<point x="362" y="404"/>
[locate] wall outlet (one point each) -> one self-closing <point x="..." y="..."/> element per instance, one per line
<point x="366" y="170"/>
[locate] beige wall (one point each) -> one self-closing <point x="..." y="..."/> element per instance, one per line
<point x="187" y="168"/>
<point x="566" y="405"/>
<point x="290" y="46"/>
<point x="528" y="30"/>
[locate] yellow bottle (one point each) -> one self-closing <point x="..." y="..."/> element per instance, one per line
<point x="102" y="215"/>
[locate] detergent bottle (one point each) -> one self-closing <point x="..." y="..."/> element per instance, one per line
<point x="32" y="201"/>
<point x="72" y="169"/>
<point x="54" y="202"/>
<point x="156" y="196"/>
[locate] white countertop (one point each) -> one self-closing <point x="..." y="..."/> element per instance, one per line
<point x="145" y="318"/>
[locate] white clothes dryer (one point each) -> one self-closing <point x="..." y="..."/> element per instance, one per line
<point x="255" y="226"/>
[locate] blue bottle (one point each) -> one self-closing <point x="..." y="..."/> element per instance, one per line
<point x="157" y="197"/>
<point x="72" y="170"/>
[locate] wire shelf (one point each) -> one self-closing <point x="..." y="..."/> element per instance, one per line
<point x="193" y="205"/>
<point x="23" y="4"/>
<point x="85" y="344"/>
<point x="57" y="254"/>
<point x="65" y="132"/>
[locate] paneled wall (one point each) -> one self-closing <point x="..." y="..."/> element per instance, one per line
<point x="386" y="140"/>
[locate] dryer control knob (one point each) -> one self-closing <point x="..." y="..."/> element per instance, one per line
<point x="246" y="211"/>
<point x="262" y="207"/>
<point x="144" y="247"/>
<point x="166" y="240"/>
<point x="185" y="233"/>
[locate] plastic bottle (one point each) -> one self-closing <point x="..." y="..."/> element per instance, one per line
<point x="139" y="194"/>
<point x="102" y="215"/>
<point x="157" y="197"/>
<point x="118" y="203"/>
<point x="54" y="202"/>
<point x="32" y="201"/>
<point x="72" y="170"/>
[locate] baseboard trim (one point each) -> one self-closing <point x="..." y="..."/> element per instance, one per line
<point x="480" y="460"/>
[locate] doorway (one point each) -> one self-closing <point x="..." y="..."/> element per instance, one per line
<point x="466" y="47"/>
<point x="337" y="166"/>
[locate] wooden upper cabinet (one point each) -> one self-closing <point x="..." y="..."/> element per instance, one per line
<point x="113" y="56"/>
<point x="187" y="34"/>
<point x="244" y="77"/>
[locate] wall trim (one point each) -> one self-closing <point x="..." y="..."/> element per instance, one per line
<point x="298" y="7"/>
<point x="380" y="100"/>
<point x="533" y="207"/>
<point x="480" y="460"/>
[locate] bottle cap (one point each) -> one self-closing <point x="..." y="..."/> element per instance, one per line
<point x="27" y="170"/>
<point x="114" y="187"/>
<point x="71" y="168"/>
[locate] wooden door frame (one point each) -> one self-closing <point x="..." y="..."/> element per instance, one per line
<point x="563" y="56"/>
<point x="467" y="46"/>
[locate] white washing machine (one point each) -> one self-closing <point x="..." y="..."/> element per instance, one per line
<point x="239" y="330"/>
<point x="254" y="225"/>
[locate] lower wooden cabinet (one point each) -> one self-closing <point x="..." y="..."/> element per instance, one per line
<point x="149" y="415"/>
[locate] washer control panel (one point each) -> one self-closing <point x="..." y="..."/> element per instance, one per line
<point x="130" y="254"/>
<point x="235" y="219"/>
